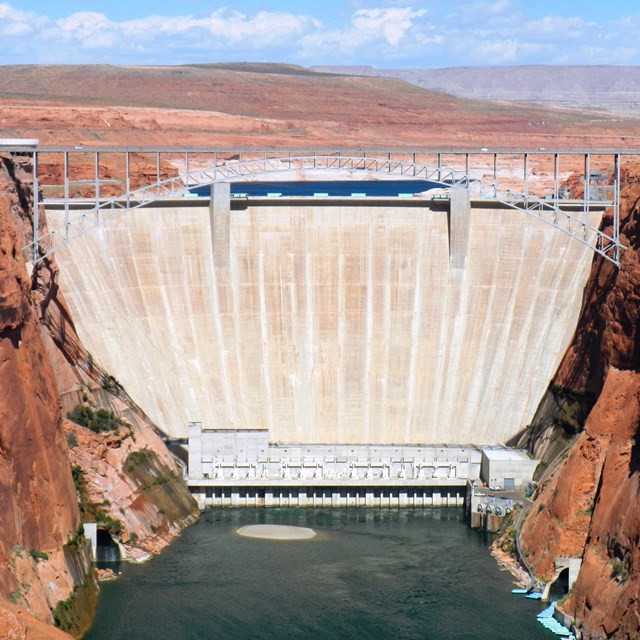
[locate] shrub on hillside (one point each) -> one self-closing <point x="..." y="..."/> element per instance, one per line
<point x="97" y="421"/>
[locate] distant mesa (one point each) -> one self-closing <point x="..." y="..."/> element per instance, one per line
<point x="610" y="88"/>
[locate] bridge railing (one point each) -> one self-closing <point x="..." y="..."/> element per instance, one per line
<point x="90" y="213"/>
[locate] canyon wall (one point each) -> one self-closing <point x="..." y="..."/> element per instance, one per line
<point x="57" y="473"/>
<point x="328" y="322"/>
<point x="588" y="507"/>
<point x="42" y="564"/>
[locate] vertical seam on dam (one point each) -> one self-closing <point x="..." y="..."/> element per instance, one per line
<point x="341" y="342"/>
<point x="238" y="335"/>
<point x="368" y="337"/>
<point x="416" y="322"/>
<point x="294" y="381"/>
<point x="387" y="347"/>
<point x="224" y="377"/>
<point x="264" y="335"/>
<point x="309" y="344"/>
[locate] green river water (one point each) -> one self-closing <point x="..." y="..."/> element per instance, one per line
<point x="378" y="574"/>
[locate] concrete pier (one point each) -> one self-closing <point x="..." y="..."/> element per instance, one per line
<point x="459" y="227"/>
<point x="219" y="212"/>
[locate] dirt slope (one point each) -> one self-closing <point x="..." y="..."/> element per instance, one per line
<point x="275" y="106"/>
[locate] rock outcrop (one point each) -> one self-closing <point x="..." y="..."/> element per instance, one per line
<point x="131" y="486"/>
<point x="605" y="596"/>
<point x="17" y="624"/>
<point x="588" y="507"/>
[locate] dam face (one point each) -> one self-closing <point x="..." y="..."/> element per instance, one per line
<point x="329" y="321"/>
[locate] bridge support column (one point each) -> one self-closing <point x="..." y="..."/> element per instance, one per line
<point x="459" y="220"/>
<point x="219" y="213"/>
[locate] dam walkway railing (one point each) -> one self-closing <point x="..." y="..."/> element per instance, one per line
<point x="557" y="188"/>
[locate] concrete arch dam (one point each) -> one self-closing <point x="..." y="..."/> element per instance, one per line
<point x="327" y="320"/>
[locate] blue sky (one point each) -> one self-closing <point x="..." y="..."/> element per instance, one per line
<point x="380" y="33"/>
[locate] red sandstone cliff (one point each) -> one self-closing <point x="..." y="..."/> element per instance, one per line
<point x="589" y="506"/>
<point x="17" y="624"/>
<point x="124" y="477"/>
<point x="38" y="504"/>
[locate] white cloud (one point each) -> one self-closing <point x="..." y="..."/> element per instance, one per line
<point x="497" y="51"/>
<point x="7" y="12"/>
<point x="391" y="23"/>
<point x="490" y="15"/>
<point x="559" y="27"/>
<point x="89" y="29"/>
<point x="593" y="54"/>
<point x="17" y="23"/>
<point x="217" y="31"/>
<point x="387" y="25"/>
<point x="483" y="8"/>
<point x="263" y="29"/>
<point x="154" y="39"/>
<point x="630" y="22"/>
<point x="15" y="29"/>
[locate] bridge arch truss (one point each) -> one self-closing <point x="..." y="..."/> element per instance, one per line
<point x="491" y="183"/>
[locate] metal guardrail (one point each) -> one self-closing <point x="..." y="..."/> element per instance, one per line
<point x="548" y="209"/>
<point x="517" y="526"/>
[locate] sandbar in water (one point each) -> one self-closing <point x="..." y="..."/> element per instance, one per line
<point x="276" y="532"/>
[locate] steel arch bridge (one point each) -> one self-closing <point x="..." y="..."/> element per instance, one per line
<point x="568" y="216"/>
